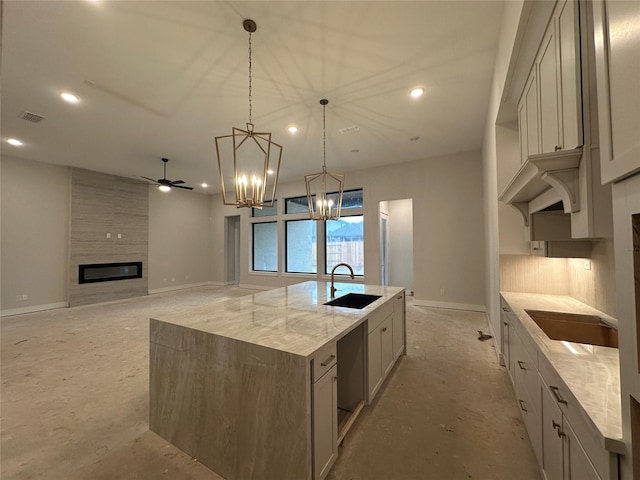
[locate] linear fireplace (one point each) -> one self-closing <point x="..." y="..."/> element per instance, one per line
<point x="107" y="272"/>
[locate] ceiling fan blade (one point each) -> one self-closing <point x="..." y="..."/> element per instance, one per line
<point x="176" y="182"/>
<point x="150" y="179"/>
<point x="185" y="188"/>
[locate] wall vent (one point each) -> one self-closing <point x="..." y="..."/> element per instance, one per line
<point x="352" y="128"/>
<point x="31" y="117"/>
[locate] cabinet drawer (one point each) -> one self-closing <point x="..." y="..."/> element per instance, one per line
<point x="379" y="316"/>
<point x="603" y="460"/>
<point x="525" y="371"/>
<point x="531" y="412"/>
<point x="323" y="360"/>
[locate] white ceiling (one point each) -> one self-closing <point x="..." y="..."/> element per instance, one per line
<point x="162" y="79"/>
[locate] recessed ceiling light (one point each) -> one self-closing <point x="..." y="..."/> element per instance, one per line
<point x="15" y="142"/>
<point x="69" y="97"/>
<point x="204" y="185"/>
<point x="293" y="129"/>
<point x="269" y="172"/>
<point x="416" y="92"/>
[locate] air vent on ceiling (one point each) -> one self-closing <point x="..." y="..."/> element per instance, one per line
<point x="31" y="117"/>
<point x="352" y="128"/>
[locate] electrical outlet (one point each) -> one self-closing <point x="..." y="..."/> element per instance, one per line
<point x="108" y="235"/>
<point x="587" y="264"/>
<point x="442" y="291"/>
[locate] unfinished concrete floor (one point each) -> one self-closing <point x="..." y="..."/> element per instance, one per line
<point x="75" y="401"/>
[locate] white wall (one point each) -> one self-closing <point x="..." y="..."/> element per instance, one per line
<point x="510" y="21"/>
<point x="448" y="228"/>
<point x="180" y="239"/>
<point x="35" y="235"/>
<point x="35" y="206"/>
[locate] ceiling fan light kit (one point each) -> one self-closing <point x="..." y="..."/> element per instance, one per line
<point x="324" y="189"/>
<point x="246" y="158"/>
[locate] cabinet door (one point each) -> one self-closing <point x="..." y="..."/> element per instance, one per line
<point x="325" y="423"/>
<point x="522" y="131"/>
<point x="504" y="335"/>
<point x="570" y="77"/>
<point x="398" y="325"/>
<point x="548" y="79"/>
<point x="386" y="345"/>
<point x="374" y="362"/>
<point x="577" y="463"/>
<point x="531" y="101"/>
<point x="617" y="44"/>
<point x="552" y="456"/>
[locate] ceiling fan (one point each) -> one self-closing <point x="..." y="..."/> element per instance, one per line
<point x="165" y="184"/>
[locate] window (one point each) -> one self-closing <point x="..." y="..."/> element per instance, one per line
<point x="352" y="199"/>
<point x="301" y="246"/>
<point x="265" y="247"/>
<point x="296" y="205"/>
<point x="266" y="211"/>
<point x="344" y="242"/>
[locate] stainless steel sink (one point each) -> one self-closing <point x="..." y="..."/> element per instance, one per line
<point x="573" y="327"/>
<point x="353" y="300"/>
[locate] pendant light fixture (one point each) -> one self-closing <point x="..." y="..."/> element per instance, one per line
<point x="248" y="161"/>
<point x="324" y="190"/>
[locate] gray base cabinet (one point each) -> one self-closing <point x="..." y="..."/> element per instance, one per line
<point x="553" y="418"/>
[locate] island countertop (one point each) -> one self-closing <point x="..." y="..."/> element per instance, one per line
<point x="292" y="319"/>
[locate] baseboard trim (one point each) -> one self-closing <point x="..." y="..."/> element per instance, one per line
<point x="184" y="287"/>
<point x="450" y="305"/>
<point x="32" y="309"/>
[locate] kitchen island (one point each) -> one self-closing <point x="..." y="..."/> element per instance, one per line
<point x="265" y="385"/>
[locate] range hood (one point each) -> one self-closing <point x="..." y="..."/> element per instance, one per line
<point x="557" y="171"/>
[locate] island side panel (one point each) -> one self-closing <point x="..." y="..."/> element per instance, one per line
<point x="240" y="409"/>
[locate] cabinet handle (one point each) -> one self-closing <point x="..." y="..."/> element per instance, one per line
<point x="328" y="361"/>
<point x="384" y="329"/>
<point x="523" y="406"/>
<point x="505" y="309"/>
<point x="399" y="297"/>
<point x="520" y="364"/>
<point x="558" y="428"/>
<point x="558" y="147"/>
<point x="556" y="393"/>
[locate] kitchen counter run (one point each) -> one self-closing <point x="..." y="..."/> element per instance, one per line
<point x="592" y="373"/>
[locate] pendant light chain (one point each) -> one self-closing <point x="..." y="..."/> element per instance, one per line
<point x="324" y="138"/>
<point x="250" y="77"/>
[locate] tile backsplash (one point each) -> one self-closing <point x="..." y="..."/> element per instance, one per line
<point x="591" y="281"/>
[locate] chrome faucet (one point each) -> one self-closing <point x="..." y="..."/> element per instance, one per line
<point x="333" y="289"/>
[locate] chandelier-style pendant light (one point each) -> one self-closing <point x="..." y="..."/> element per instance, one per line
<point x="248" y="161"/>
<point x="324" y="190"/>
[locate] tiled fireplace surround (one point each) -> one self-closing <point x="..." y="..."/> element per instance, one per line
<point x="109" y="223"/>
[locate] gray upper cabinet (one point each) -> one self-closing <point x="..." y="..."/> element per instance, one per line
<point x="617" y="44"/>
<point x="550" y="103"/>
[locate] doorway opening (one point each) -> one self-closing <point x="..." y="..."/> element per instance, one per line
<point x="396" y="243"/>
<point x="232" y="249"/>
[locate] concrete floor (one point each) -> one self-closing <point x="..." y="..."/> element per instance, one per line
<point x="75" y="401"/>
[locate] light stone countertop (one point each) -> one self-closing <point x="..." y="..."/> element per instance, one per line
<point x="592" y="374"/>
<point x="291" y="319"/>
